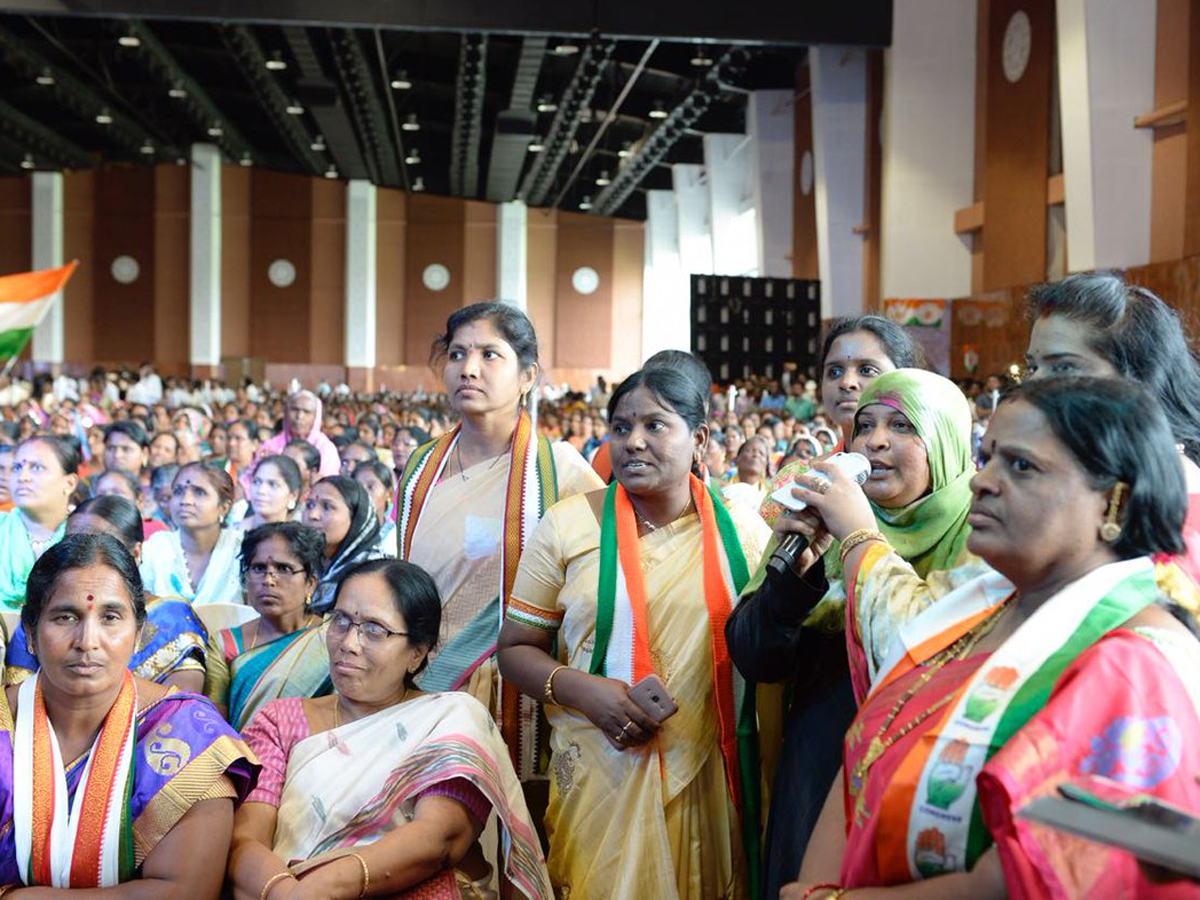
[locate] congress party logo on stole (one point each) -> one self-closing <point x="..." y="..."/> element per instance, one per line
<point x="950" y="776"/>
<point x="931" y="856"/>
<point x="989" y="694"/>
<point x="1137" y="751"/>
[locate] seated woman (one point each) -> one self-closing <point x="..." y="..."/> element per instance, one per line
<point x="340" y="508"/>
<point x="198" y="560"/>
<point x="753" y="463"/>
<point x="243" y="444"/>
<point x="282" y="652"/>
<point x="308" y="460"/>
<point x="170" y="648"/>
<point x="1063" y="665"/>
<point x="344" y="819"/>
<point x="119" y="483"/>
<point x="43" y="476"/>
<point x="274" y="492"/>
<point x="377" y="479"/>
<point x="106" y="780"/>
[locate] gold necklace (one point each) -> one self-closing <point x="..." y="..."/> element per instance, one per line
<point x="880" y="744"/>
<point x="650" y="526"/>
<point x="257" y="629"/>
<point x="462" y="469"/>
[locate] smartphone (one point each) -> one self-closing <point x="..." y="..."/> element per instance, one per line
<point x="650" y="694"/>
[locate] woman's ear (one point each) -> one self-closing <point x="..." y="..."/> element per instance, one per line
<point x="529" y="378"/>
<point x="137" y="552"/>
<point x="700" y="437"/>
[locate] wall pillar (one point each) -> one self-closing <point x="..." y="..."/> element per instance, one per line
<point x="666" y="291"/>
<point x="694" y="219"/>
<point x="729" y="164"/>
<point x="771" y="124"/>
<point x="512" y="254"/>
<point x="205" y="260"/>
<point x="360" y="310"/>
<point x="47" y="253"/>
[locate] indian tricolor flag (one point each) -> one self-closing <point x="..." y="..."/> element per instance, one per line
<point x="24" y="301"/>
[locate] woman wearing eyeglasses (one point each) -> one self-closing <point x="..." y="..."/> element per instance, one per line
<point x="332" y="816"/>
<point x="281" y="653"/>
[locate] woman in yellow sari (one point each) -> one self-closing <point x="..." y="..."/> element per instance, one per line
<point x="468" y="502"/>
<point x="632" y="581"/>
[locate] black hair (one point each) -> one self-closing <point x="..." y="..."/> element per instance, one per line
<point x="312" y="456"/>
<point x="215" y="475"/>
<point x="370" y="450"/>
<point x="901" y="349"/>
<point x="510" y="323"/>
<point x="1139" y="335"/>
<point x="118" y="512"/>
<point x="306" y="542"/>
<point x="250" y="427"/>
<point x="379" y="470"/>
<point x="1117" y="432"/>
<point x="131" y="429"/>
<point x="172" y="436"/>
<point x="288" y="470"/>
<point x="161" y="476"/>
<point x="675" y="388"/>
<point x="79" y="551"/>
<point x="416" y="598"/>
<point x="419" y="433"/>
<point x="65" y="449"/>
<point x="130" y="481"/>
<point x="688" y="364"/>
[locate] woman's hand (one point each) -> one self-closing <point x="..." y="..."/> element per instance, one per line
<point x="606" y="703"/>
<point x="809" y="524"/>
<point x="841" y="503"/>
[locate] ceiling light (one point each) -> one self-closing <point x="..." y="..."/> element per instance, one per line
<point x="27" y="162"/>
<point x="104" y="117"/>
<point x="318" y="144"/>
<point x="400" y="82"/>
<point x="215" y="130"/>
<point x="276" y="62"/>
<point x="659" y="111"/>
<point x="46" y="78"/>
<point x="294" y="108"/>
<point x="566" y="48"/>
<point x="585" y="204"/>
<point x="603" y="180"/>
<point x="411" y="123"/>
<point x="177" y="91"/>
<point x="536" y="145"/>
<point x="147" y="148"/>
<point x="129" y="40"/>
<point x="418" y="184"/>
<point x="413" y="158"/>
<point x="331" y="172"/>
<point x="625" y="151"/>
<point x="546" y="104"/>
<point x="246" y="160"/>
<point x="701" y="59"/>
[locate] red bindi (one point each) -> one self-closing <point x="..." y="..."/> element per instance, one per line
<point x="91" y="599"/>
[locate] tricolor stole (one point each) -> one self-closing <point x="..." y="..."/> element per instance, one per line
<point x="622" y="637"/>
<point x="933" y="798"/>
<point x="87" y="843"/>
<point x="532" y="489"/>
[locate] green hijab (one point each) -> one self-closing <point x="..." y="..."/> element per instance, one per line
<point x="930" y="532"/>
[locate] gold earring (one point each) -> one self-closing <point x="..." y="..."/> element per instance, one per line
<point x="1111" y="529"/>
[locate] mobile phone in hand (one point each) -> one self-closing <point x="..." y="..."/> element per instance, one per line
<point x="651" y="696"/>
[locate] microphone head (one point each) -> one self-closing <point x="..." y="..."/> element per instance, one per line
<point x="855" y="465"/>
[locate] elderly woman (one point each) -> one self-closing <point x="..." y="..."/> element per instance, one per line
<point x="198" y="561"/>
<point x="621" y="584"/>
<point x="334" y="817"/>
<point x="170" y="648"/>
<point x="302" y="420"/>
<point x="340" y="508"/>
<point x="282" y="652"/>
<point x="1065" y="664"/>
<point x="44" y="475"/>
<point x="106" y="780"/>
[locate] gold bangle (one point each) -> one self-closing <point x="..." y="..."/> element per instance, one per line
<point x="271" y="883"/>
<point x="548" y="691"/>
<point x="366" y="874"/>
<point x="855" y="538"/>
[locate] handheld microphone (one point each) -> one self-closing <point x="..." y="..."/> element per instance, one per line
<point x="792" y="545"/>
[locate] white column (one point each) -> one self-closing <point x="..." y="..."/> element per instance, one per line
<point x="512" y="254"/>
<point x="839" y="105"/>
<point x="1106" y="52"/>
<point x="666" y="290"/>
<point x="205" y="294"/>
<point x="729" y="164"/>
<point x="928" y="149"/>
<point x="771" y="122"/>
<point x="360" y="274"/>
<point x="693" y="218"/>
<point x="47" y="242"/>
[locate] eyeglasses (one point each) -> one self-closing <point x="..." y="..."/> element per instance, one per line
<point x="259" y="571"/>
<point x="368" y="632"/>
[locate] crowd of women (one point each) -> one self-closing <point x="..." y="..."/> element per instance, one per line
<point x="426" y="649"/>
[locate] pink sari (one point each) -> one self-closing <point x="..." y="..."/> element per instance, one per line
<point x="330" y="462"/>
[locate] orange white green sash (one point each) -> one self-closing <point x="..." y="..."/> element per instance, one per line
<point x="932" y="797"/>
<point x="86" y="843"/>
<point x="622" y="642"/>
<point x="532" y="489"/>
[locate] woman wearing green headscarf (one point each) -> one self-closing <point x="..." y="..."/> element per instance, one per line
<point x="915" y="428"/>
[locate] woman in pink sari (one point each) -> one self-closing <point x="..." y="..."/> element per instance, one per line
<point x="996" y="695"/>
<point x="302" y="418"/>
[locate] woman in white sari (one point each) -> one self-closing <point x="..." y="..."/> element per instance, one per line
<point x="332" y="816"/>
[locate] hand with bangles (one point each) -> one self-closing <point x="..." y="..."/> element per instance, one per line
<point x="839" y="504"/>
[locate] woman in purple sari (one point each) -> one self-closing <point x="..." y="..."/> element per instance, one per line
<point x="107" y="780"/>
